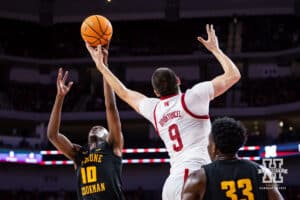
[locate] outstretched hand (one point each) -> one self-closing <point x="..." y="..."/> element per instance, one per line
<point x="211" y="43"/>
<point x="98" y="54"/>
<point x="62" y="87"/>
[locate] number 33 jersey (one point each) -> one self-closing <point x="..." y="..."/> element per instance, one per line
<point x="182" y="122"/>
<point x="234" y="179"/>
<point x="98" y="174"/>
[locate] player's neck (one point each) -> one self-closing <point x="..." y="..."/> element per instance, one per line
<point x="226" y="157"/>
<point x="94" y="145"/>
<point x="168" y="96"/>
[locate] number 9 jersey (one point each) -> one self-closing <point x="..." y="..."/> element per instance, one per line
<point x="182" y="122"/>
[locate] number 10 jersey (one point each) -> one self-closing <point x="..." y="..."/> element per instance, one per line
<point x="98" y="174"/>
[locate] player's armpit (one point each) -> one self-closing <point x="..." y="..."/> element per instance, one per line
<point x="195" y="185"/>
<point x="133" y="98"/>
<point x="63" y="144"/>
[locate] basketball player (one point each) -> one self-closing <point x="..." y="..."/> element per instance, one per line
<point x="98" y="165"/>
<point x="181" y="120"/>
<point x="228" y="177"/>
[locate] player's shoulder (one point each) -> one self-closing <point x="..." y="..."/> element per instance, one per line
<point x="80" y="150"/>
<point x="202" y="85"/>
<point x="250" y="163"/>
<point x="203" y="89"/>
<point x="77" y="147"/>
<point x="253" y="166"/>
<point x="149" y="101"/>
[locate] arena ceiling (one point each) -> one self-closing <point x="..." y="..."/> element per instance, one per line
<point x="76" y="10"/>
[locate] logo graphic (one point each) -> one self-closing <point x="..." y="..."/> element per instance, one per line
<point x="275" y="166"/>
<point x="271" y="151"/>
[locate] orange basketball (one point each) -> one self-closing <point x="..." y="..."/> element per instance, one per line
<point x="96" y="29"/>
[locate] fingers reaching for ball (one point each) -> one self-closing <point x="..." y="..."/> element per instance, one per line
<point x="98" y="54"/>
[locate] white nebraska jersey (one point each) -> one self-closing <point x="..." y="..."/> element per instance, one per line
<point x="182" y="121"/>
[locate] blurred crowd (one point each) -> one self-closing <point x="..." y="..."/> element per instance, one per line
<point x="236" y="34"/>
<point x="152" y="37"/>
<point x="250" y="93"/>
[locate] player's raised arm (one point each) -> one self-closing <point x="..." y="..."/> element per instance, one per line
<point x="133" y="98"/>
<point x="115" y="136"/>
<point x="195" y="185"/>
<point x="57" y="139"/>
<point x="231" y="73"/>
<point x="273" y="192"/>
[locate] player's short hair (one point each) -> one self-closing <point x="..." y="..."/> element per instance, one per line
<point x="164" y="81"/>
<point x="228" y="134"/>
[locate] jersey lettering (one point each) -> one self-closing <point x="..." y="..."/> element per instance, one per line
<point x="169" y="116"/>
<point x="94" y="188"/>
<point x="89" y="175"/>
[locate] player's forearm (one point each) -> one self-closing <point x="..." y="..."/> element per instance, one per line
<point x="54" y="122"/>
<point x="230" y="69"/>
<point x="119" y="88"/>
<point x="110" y="100"/>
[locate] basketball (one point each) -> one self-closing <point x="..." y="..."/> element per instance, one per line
<point x="96" y="29"/>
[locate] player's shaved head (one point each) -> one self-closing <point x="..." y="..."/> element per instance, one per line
<point x="97" y="134"/>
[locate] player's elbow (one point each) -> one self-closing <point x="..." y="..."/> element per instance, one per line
<point x="51" y="135"/>
<point x="235" y="77"/>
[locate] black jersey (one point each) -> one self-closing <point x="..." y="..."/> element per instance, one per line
<point x="234" y="179"/>
<point x="98" y="174"/>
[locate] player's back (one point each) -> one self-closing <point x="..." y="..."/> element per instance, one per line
<point x="182" y="121"/>
<point x="185" y="135"/>
<point x="233" y="179"/>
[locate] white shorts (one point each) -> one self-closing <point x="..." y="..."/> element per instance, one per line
<point x="173" y="186"/>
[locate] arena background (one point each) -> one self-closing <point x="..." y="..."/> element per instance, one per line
<point x="39" y="36"/>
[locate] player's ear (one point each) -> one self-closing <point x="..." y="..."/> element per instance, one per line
<point x="178" y="81"/>
<point x="156" y="93"/>
<point x="214" y="151"/>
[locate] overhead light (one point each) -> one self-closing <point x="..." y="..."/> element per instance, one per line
<point x="281" y="123"/>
